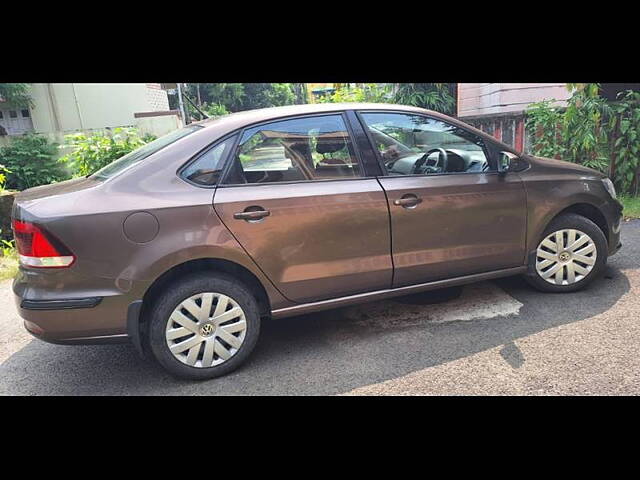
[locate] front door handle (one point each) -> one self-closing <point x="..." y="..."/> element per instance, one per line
<point x="408" y="201"/>
<point x="251" y="215"/>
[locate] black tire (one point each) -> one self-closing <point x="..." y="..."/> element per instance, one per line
<point x="171" y="297"/>
<point x="578" y="222"/>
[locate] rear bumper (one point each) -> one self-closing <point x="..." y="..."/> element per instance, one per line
<point x="82" y="316"/>
<point x="35" y="330"/>
<point x="68" y="304"/>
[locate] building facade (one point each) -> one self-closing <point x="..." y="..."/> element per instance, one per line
<point x="499" y="108"/>
<point x="61" y="108"/>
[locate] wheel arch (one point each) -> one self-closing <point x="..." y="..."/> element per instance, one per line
<point x="137" y="315"/>
<point x="583" y="208"/>
<point x="588" y="211"/>
<point x="212" y="265"/>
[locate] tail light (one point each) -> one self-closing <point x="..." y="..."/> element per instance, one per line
<point x="38" y="248"/>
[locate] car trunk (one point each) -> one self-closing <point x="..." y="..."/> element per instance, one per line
<point x="53" y="200"/>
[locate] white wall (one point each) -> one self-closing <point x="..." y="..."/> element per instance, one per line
<point x="85" y="106"/>
<point x="493" y="98"/>
<point x="158" y="126"/>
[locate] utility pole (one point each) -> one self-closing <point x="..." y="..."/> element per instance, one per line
<point x="181" y="105"/>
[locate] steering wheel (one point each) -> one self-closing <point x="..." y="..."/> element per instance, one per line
<point x="443" y="160"/>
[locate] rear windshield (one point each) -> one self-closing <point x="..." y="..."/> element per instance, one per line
<point x="141" y="153"/>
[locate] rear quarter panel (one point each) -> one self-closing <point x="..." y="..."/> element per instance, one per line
<point x="88" y="217"/>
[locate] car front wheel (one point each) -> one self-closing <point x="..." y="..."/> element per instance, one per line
<point x="571" y="254"/>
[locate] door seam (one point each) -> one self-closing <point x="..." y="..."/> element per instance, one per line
<point x="213" y="207"/>
<point x="393" y="266"/>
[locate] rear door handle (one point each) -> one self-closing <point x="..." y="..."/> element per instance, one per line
<point x="252" y="215"/>
<point x="408" y="201"/>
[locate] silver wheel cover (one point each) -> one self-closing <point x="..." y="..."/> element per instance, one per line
<point x="566" y="257"/>
<point x="206" y="330"/>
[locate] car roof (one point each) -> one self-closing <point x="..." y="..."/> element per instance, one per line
<point x="265" y="114"/>
<point x="234" y="121"/>
<point x="225" y="124"/>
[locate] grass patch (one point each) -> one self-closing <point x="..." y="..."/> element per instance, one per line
<point x="631" y="206"/>
<point x="8" y="266"/>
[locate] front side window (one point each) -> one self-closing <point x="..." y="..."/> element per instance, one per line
<point x="300" y="149"/>
<point x="417" y="145"/>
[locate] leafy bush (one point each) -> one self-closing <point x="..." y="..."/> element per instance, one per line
<point x="236" y="97"/>
<point x="545" y="122"/>
<point x="434" y="96"/>
<point x="342" y="95"/>
<point x="31" y="161"/>
<point x="625" y="125"/>
<point x="3" y="177"/>
<point x="585" y="129"/>
<point x="370" y="92"/>
<point x="215" y="110"/>
<point x="8" y="256"/>
<point x="592" y="132"/>
<point x="92" y="152"/>
<point x="7" y="247"/>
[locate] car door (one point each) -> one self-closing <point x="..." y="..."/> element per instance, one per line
<point x="301" y="203"/>
<point x="451" y="213"/>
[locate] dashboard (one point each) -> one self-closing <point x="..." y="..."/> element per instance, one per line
<point x="458" y="161"/>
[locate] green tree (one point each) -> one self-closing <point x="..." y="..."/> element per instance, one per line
<point x="364" y="92"/>
<point x="236" y="97"/>
<point x="624" y="127"/>
<point x="16" y="94"/>
<point x="434" y="96"/>
<point x="229" y="95"/>
<point x="264" y="95"/>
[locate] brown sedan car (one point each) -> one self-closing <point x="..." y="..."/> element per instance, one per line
<point x="184" y="245"/>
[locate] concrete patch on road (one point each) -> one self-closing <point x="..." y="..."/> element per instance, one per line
<point x="477" y="301"/>
<point x="588" y="356"/>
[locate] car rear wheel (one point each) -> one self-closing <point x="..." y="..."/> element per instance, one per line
<point x="204" y="326"/>
<point x="571" y="254"/>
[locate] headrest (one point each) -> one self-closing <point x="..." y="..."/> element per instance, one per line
<point x="324" y="147"/>
<point x="455" y="164"/>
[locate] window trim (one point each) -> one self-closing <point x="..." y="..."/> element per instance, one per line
<point x="350" y="132"/>
<point x="204" y="151"/>
<point x="385" y="172"/>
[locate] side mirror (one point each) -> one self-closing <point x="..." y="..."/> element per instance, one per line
<point x="504" y="162"/>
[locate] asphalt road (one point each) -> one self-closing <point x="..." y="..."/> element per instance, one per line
<point x="489" y="338"/>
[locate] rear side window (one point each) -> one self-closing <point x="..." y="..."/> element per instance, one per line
<point x="299" y="149"/>
<point x="207" y="168"/>
<point x="141" y="153"/>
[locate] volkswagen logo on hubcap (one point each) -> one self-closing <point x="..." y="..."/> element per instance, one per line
<point x="206" y="330"/>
